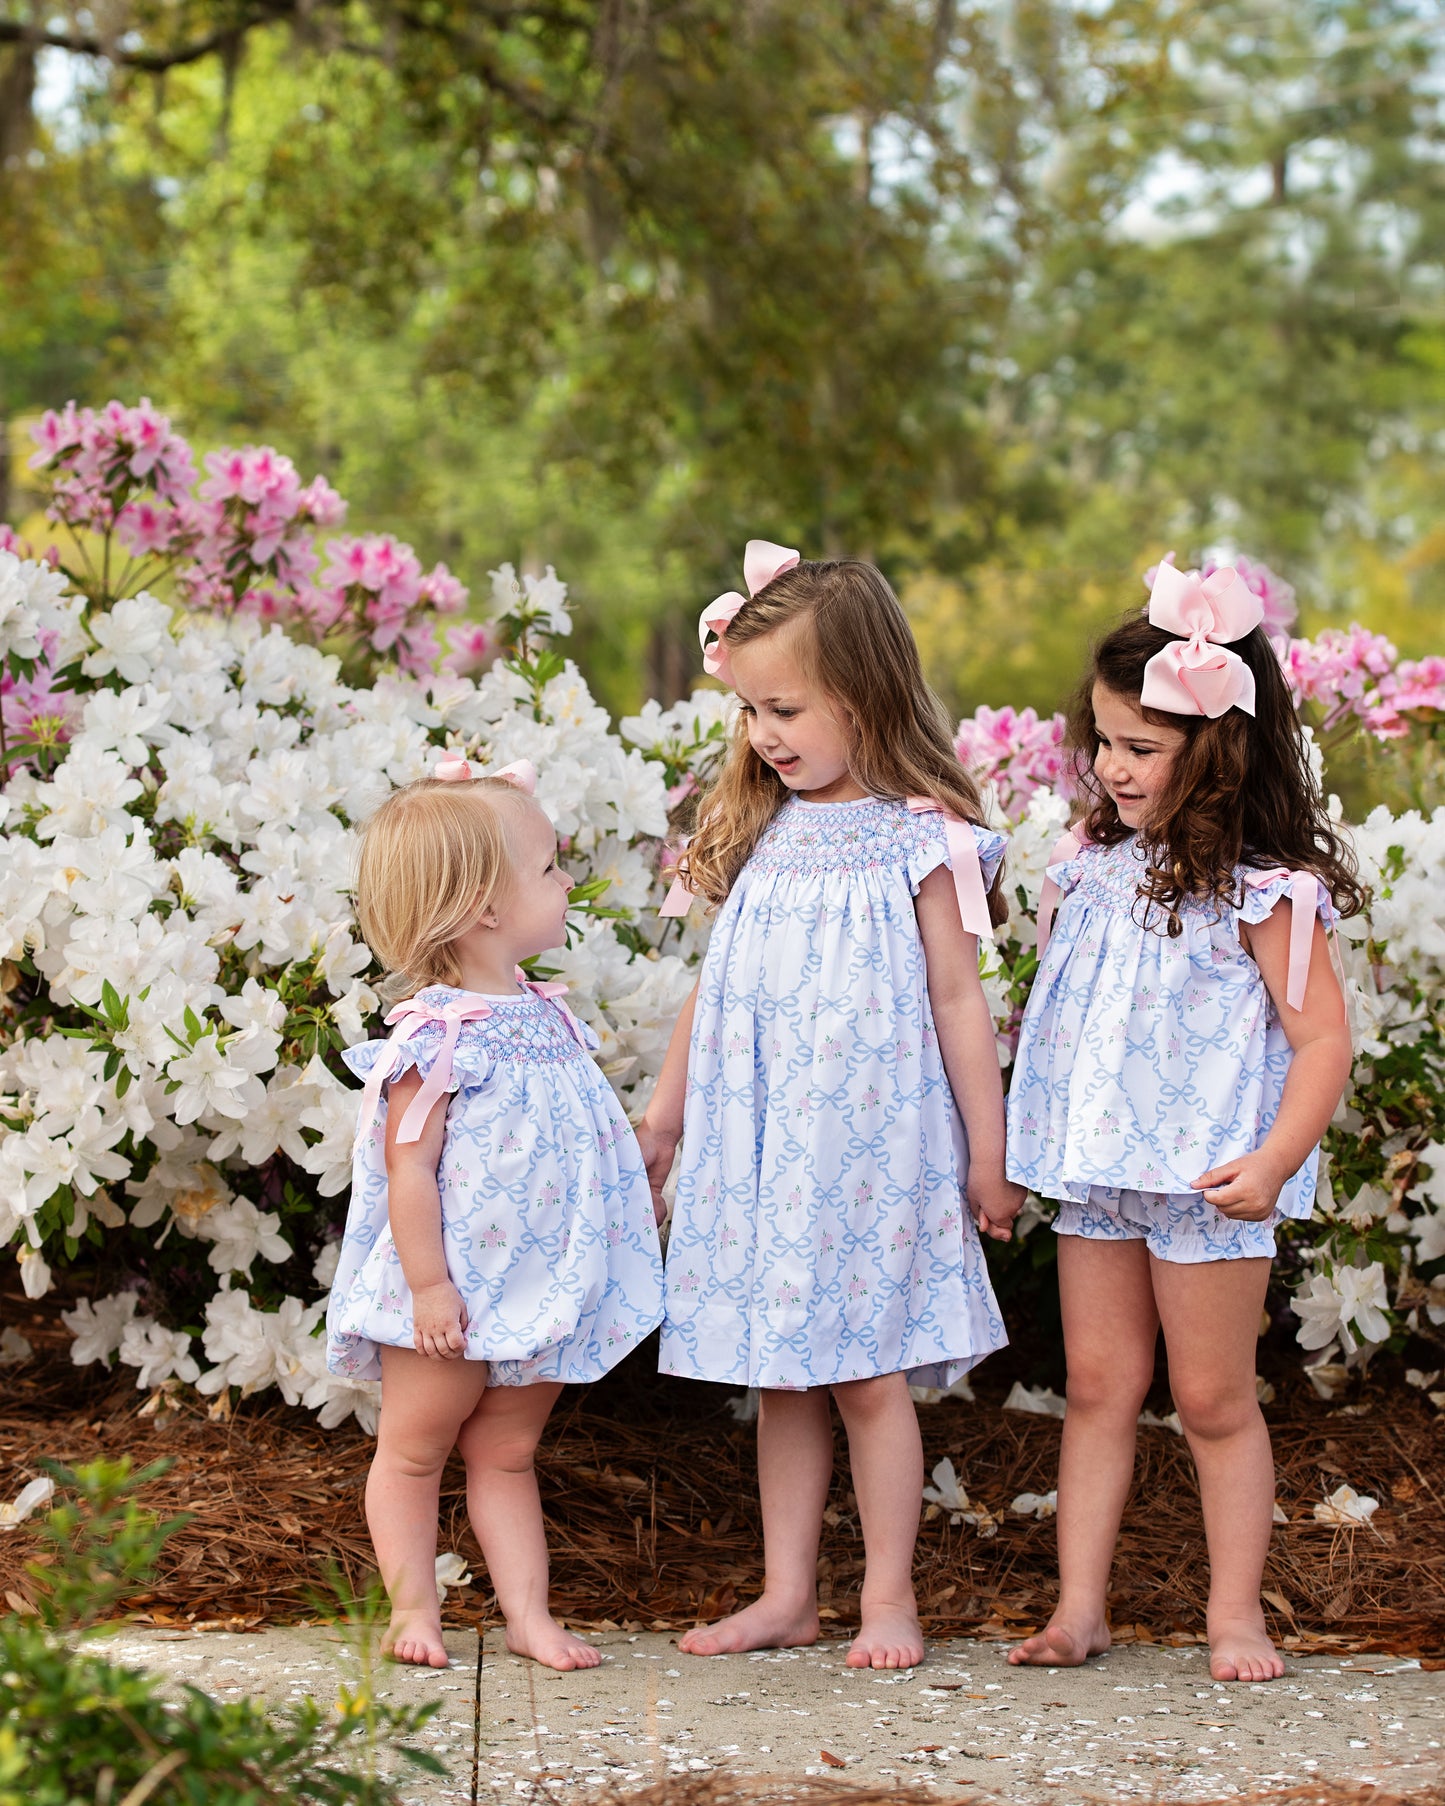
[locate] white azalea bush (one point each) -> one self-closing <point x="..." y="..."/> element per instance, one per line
<point x="179" y="962"/>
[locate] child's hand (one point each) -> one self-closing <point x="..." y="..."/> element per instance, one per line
<point x="439" y="1319"/>
<point x="994" y="1203"/>
<point x="657" y="1155"/>
<point x="1245" y="1189"/>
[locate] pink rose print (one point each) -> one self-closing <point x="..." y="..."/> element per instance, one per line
<point x="614" y="1233"/>
<point x="494" y="1236"/>
<point x="831" y="1049"/>
<point x="511" y="1141"/>
<point x="872" y="1006"/>
<point x="787" y="1293"/>
<point x="826" y="1244"/>
<point x="1151" y="1175"/>
<point x="793" y="1199"/>
<point x="1107" y="1123"/>
<point x="856" y="1288"/>
<point x="686" y="1283"/>
<point x="616" y="1335"/>
<point x="903" y="1050"/>
<point x="870" y="1098"/>
<point x="949" y="1222"/>
<point x="900" y="1240"/>
<point x="864" y="1193"/>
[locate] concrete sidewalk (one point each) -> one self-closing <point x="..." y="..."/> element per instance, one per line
<point x="1143" y="1722"/>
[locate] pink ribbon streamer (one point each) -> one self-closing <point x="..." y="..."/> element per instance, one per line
<point x="967" y="870"/>
<point x="1304" y="890"/>
<point x="762" y="561"/>
<point x="1198" y="674"/>
<point x="679" y="898"/>
<point x="408" y="1017"/>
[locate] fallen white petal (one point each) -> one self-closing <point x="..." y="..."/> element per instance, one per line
<point x="38" y="1492"/>
<point x="1039" y="1401"/>
<point x="1150" y="1421"/>
<point x="451" y="1571"/>
<point x="14" y="1348"/>
<point x="1036" y="1504"/>
<point x="1281" y="1516"/>
<point x="1346" y="1506"/>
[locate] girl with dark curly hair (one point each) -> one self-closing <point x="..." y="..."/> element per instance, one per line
<point x="1183" y="1049"/>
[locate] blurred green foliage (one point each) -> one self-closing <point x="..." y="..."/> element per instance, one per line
<point x="1009" y="296"/>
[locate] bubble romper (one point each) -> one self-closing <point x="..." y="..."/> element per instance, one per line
<point x="820" y="1232"/>
<point x="547" y="1220"/>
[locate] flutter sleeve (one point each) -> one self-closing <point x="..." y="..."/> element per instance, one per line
<point x="471" y="1063"/>
<point x="1262" y="892"/>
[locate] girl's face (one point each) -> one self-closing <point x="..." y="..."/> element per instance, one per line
<point x="531" y="914"/>
<point x="791" y="723"/>
<point x="1135" y="756"/>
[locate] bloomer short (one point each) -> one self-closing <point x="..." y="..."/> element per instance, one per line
<point x="1177" y="1226"/>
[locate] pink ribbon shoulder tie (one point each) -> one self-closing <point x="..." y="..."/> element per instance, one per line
<point x="408" y="1017"/>
<point x="679" y="898"/>
<point x="967" y="871"/>
<point x="1304" y="901"/>
<point x="553" y="990"/>
<point x="1065" y="848"/>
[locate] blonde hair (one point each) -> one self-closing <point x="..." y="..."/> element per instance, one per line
<point x="431" y="861"/>
<point x="853" y="641"/>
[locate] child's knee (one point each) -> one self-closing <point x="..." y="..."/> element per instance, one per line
<point x="1214" y="1410"/>
<point x="1102" y="1387"/>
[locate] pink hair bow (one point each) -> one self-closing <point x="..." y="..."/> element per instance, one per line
<point x="521" y="774"/>
<point x="762" y="561"/>
<point x="1199" y="675"/>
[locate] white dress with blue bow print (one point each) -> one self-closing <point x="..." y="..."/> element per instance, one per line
<point x="1146" y="1059"/>
<point x="547" y="1219"/>
<point x="820" y="1232"/>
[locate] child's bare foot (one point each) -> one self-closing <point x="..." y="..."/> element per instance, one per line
<point x="546" y="1641"/>
<point x="416" y="1637"/>
<point x="1062" y="1643"/>
<point x="890" y="1637"/>
<point x="1240" y="1650"/>
<point x="765" y="1624"/>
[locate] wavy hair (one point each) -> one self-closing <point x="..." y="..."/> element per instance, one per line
<point x="433" y="858"/>
<point x="1239" y="793"/>
<point x="853" y="640"/>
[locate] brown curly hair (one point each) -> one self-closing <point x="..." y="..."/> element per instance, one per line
<point x="1240" y="791"/>
<point x="853" y="640"/>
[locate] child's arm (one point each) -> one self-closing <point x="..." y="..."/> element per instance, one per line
<point x="1247" y="1188"/>
<point x="414" y="1207"/>
<point x="661" y="1127"/>
<point x="966" y="1040"/>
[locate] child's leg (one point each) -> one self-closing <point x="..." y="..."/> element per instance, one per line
<point x="795" y="1469"/>
<point x="423" y="1404"/>
<point x="1111" y="1327"/>
<point x="1210" y="1311"/>
<point x="498" y="1443"/>
<point x="886" y="1453"/>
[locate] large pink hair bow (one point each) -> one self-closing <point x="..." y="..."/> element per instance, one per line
<point x="1198" y="674"/>
<point x="762" y="561"/>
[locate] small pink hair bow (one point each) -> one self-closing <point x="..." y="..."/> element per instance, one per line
<point x="762" y="561"/>
<point x="521" y="774"/>
<point x="1199" y="675"/>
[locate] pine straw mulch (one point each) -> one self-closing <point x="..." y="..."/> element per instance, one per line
<point x="651" y="1498"/>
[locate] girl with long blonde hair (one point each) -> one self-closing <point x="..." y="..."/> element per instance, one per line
<point x="834" y="1080"/>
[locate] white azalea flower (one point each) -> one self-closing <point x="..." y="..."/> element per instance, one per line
<point x="123" y="721"/>
<point x="132" y="640"/>
<point x="160" y="1354"/>
<point x="34" y="1271"/>
<point x="98" y="1326"/>
<point x="85" y="796"/>
<point x="240" y="1233"/>
<point x="209" y="1082"/>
